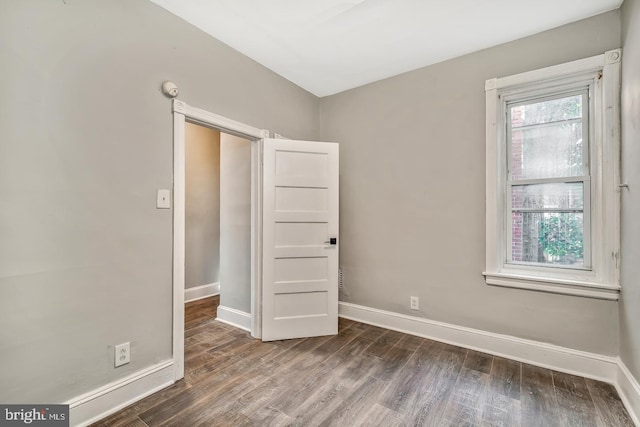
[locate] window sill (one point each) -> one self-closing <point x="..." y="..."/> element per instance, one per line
<point x="554" y="286"/>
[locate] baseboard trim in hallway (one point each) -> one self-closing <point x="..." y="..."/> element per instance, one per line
<point x="200" y="292"/>
<point x="233" y="317"/>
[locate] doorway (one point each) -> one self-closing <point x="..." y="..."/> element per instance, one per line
<point x="218" y="221"/>
<point x="183" y="114"/>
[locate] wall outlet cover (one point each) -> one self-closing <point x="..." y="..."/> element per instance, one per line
<point x="122" y="354"/>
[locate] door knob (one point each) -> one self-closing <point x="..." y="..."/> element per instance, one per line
<point x="332" y="241"/>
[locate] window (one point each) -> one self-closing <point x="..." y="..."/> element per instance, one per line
<point x="553" y="179"/>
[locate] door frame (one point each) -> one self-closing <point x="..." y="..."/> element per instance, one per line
<point x="182" y="113"/>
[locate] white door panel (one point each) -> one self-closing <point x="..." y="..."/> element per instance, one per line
<point x="300" y="216"/>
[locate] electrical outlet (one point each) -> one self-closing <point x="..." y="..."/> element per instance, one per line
<point x="415" y="303"/>
<point x="122" y="354"/>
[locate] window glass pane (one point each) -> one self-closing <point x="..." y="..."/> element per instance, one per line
<point x="553" y="110"/>
<point x="568" y="195"/>
<point x="548" y="238"/>
<point x="546" y="139"/>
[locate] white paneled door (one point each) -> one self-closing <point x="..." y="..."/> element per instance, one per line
<point x="300" y="239"/>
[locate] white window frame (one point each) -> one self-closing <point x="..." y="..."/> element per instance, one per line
<point x="600" y="277"/>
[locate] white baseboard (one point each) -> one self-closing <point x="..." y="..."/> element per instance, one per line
<point x="234" y="317"/>
<point x="563" y="359"/>
<point x="629" y="391"/>
<point x="101" y="402"/>
<point x="199" y="292"/>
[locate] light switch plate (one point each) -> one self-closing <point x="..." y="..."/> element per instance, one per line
<point x="164" y="199"/>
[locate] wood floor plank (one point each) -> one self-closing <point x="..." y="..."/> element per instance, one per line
<point x="289" y="343"/>
<point x="437" y="386"/>
<point x="575" y="411"/>
<point x="384" y="342"/>
<point x="292" y="369"/>
<point x="378" y="415"/>
<point x="131" y="412"/>
<point x="364" y="376"/>
<point x="538" y="401"/>
<point x="410" y="342"/>
<point x="575" y="385"/>
<point x="324" y="400"/>
<point x="262" y="417"/>
<point x="246" y="354"/>
<point x="371" y="332"/>
<point x="429" y="354"/>
<point x="136" y="422"/>
<point x="363" y="364"/>
<point x="199" y="344"/>
<point x="355" y="408"/>
<point x="467" y="400"/>
<point x="431" y="405"/>
<point x="251" y="408"/>
<point x="327" y="376"/>
<point x="347" y="323"/>
<point x="213" y="326"/>
<point x="506" y="414"/>
<point x="610" y="409"/>
<point x="205" y="305"/>
<point x="288" y="402"/>
<point x="451" y="358"/>
<point x="297" y="357"/>
<point x="338" y="341"/>
<point x="256" y="398"/>
<point x="213" y="360"/>
<point x="477" y="361"/>
<point x="575" y="406"/>
<point x="403" y="393"/>
<point x="208" y="386"/>
<point x="500" y="409"/>
<point x="352" y="361"/>
<point x="215" y="412"/>
<point x="505" y="378"/>
<point x="395" y="359"/>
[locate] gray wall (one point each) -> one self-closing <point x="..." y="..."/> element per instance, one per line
<point x="235" y="222"/>
<point x="630" y="300"/>
<point x="85" y="257"/>
<point x="202" y="205"/>
<point x="412" y="206"/>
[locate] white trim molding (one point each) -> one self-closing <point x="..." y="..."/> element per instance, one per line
<point x="197" y="115"/>
<point x="233" y="317"/>
<point x="629" y="391"/>
<point x="179" y="225"/>
<point x="104" y="401"/>
<point x="554" y="286"/>
<point x="200" y="292"/>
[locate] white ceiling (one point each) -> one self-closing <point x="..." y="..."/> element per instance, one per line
<point x="328" y="46"/>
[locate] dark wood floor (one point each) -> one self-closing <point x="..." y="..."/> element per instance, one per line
<point x="364" y="376"/>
